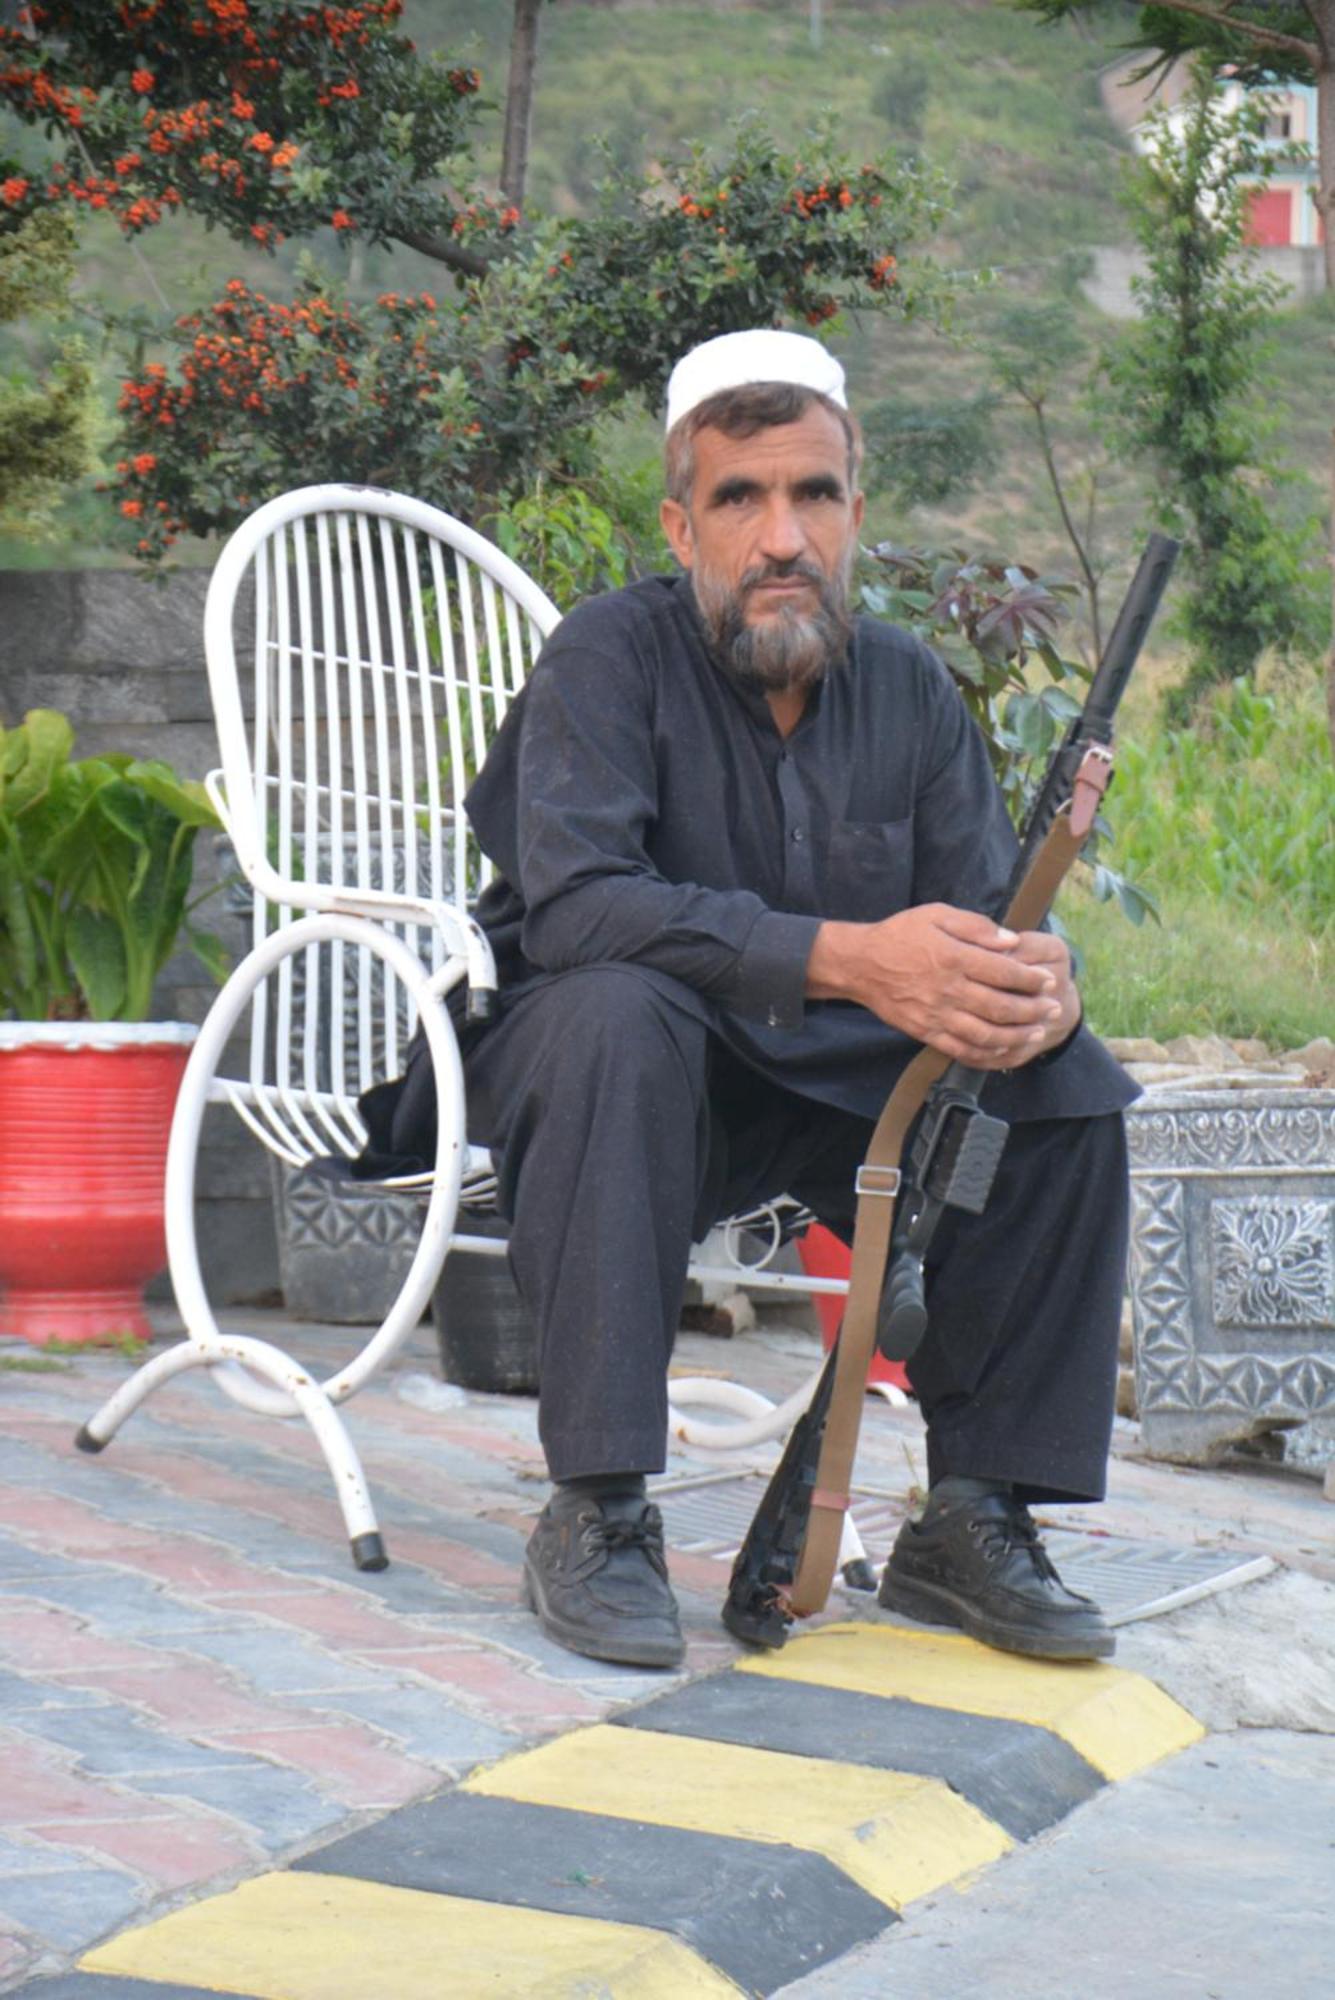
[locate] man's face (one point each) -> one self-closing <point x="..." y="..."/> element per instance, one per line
<point x="768" y="538"/>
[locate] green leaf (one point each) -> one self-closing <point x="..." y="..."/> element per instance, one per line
<point x="1059" y="704"/>
<point x="1136" y="903"/>
<point x="126" y="808"/>
<point x="97" y="953"/>
<point x="184" y="798"/>
<point x="210" y="951"/>
<point x="1029" y="723"/>
<point x="44" y="741"/>
<point x="16" y="928"/>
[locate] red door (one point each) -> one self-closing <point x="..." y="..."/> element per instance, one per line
<point x="1269" y="216"/>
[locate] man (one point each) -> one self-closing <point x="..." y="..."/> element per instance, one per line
<point x="750" y="851"/>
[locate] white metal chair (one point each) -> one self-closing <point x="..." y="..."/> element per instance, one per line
<point x="377" y="644"/>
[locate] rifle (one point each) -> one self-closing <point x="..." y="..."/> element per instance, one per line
<point x="786" y="1564"/>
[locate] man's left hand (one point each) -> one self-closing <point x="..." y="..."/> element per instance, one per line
<point x="1042" y="949"/>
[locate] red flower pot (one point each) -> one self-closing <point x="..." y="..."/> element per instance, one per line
<point x="85" y="1111"/>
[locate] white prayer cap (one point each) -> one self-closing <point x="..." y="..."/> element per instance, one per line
<point x="761" y="354"/>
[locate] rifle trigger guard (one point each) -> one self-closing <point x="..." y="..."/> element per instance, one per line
<point x="1091" y="782"/>
<point x="877" y="1180"/>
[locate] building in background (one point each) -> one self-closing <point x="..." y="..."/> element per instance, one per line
<point x="1283" y="214"/>
<point x="1285" y="224"/>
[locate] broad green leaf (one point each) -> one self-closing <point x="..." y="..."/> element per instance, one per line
<point x="184" y="798"/>
<point x="126" y="808"/>
<point x="1136" y="903"/>
<point x="1060" y="704"/>
<point x="45" y="740"/>
<point x="210" y="951"/>
<point x="97" y="953"/>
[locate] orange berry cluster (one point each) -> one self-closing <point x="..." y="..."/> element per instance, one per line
<point x="484" y="215"/>
<point x="48" y="100"/>
<point x="807" y="201"/>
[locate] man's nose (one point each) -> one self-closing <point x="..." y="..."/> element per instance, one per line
<point x="783" y="535"/>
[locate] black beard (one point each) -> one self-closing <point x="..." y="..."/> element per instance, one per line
<point x="790" y="651"/>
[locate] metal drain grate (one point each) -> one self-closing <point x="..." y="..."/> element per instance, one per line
<point x="1129" y="1579"/>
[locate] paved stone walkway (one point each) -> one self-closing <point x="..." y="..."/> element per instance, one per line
<point x="196" y="1687"/>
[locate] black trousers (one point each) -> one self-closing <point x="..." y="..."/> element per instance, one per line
<point x="622" y="1129"/>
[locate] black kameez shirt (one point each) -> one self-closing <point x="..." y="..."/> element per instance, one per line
<point x="639" y="806"/>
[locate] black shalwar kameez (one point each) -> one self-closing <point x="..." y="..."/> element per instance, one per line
<point x="665" y="857"/>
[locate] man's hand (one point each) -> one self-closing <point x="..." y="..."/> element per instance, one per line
<point x="984" y="996"/>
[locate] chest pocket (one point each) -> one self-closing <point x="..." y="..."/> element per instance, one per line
<point x="870" y="869"/>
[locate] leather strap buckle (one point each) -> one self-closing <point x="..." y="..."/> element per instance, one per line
<point x="877" y="1180"/>
<point x="1091" y="782"/>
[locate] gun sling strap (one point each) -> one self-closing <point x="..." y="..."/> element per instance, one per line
<point x="878" y="1183"/>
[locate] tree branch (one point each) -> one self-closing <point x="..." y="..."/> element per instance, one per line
<point x="1264" y="38"/>
<point x="444" y="250"/>
<point x="1072" y="532"/>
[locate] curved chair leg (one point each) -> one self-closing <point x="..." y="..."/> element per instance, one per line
<point x="183" y="1256"/>
<point x="253" y="1372"/>
<point x="308" y="1398"/>
<point x="103" y="1425"/>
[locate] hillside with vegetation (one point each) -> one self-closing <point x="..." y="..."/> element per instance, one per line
<point x="1012" y="113"/>
<point x="1008" y="109"/>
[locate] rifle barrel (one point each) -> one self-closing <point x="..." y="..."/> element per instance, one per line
<point x="1128" y="635"/>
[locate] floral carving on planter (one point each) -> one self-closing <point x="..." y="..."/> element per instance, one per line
<point x="1232" y="1264"/>
<point x="1273" y="1262"/>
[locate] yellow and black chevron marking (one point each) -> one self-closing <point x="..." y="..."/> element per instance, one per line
<point x="726" y="1836"/>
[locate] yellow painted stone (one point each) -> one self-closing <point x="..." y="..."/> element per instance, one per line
<point x="897" y="1835"/>
<point x="1118" y="1721"/>
<point x="329" y="1937"/>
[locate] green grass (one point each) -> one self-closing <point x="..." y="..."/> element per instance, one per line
<point x="1209" y="970"/>
<point x="1239" y="808"/>
<point x="1230" y="829"/>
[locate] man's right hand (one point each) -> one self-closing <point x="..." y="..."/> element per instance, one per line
<point x="947" y="977"/>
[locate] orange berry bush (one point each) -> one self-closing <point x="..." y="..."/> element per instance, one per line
<point x="272" y="120"/>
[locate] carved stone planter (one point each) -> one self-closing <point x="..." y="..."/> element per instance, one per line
<point x="1232" y="1265"/>
<point x="344" y="1246"/>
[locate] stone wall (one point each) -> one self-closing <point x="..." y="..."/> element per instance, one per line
<point x="1301" y="271"/>
<point x="123" y="657"/>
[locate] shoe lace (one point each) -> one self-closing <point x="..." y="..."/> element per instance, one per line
<point x="1015" y="1529"/>
<point x="606" y="1536"/>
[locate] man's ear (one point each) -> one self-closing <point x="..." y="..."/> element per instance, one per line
<point x="859" y="509"/>
<point x="676" y="525"/>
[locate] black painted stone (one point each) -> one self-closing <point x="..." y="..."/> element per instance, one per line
<point x="1022" y="1776"/>
<point x="762" y="1914"/>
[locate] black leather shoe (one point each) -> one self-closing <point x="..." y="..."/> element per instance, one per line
<point x="980" y="1566"/>
<point x="595" y="1573"/>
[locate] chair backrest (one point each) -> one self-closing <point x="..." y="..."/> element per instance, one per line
<point x="363" y="648"/>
